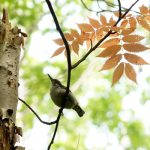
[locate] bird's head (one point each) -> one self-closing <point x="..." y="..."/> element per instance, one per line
<point x="55" y="82"/>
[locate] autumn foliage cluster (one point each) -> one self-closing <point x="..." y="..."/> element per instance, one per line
<point x="121" y="45"/>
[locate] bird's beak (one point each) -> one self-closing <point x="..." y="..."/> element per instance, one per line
<point x="50" y="78"/>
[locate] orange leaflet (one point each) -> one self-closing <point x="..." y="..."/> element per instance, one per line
<point x="110" y="51"/>
<point x="123" y="23"/>
<point x="95" y="23"/>
<point x="127" y="31"/>
<point x="132" y="38"/>
<point x="103" y="20"/>
<point x="58" y="51"/>
<point x="144" y="9"/>
<point x="59" y="41"/>
<point x="75" y="46"/>
<point x="134" y="59"/>
<point x="130" y="72"/>
<point x="112" y="41"/>
<point x="132" y="22"/>
<point x="143" y="23"/>
<point x="118" y="72"/>
<point x="68" y="37"/>
<point x="134" y="47"/>
<point x="112" y="62"/>
<point x="74" y="33"/>
<point x="85" y="27"/>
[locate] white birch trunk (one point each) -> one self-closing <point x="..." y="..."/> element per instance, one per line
<point x="10" y="43"/>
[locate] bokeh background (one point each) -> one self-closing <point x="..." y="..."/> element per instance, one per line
<point x="116" y="118"/>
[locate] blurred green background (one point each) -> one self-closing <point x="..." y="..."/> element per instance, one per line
<point x="117" y="118"/>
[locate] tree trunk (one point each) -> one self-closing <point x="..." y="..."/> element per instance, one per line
<point x="10" y="45"/>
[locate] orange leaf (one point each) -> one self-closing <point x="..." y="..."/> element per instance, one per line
<point x="68" y="37"/>
<point x="113" y="41"/>
<point x="143" y="23"/>
<point x="111" y="22"/>
<point x="95" y="23"/>
<point x="103" y="20"/>
<point x="59" y="41"/>
<point x="74" y="33"/>
<point x="118" y="72"/>
<point x="130" y="72"/>
<point x="58" y="51"/>
<point x="110" y="51"/>
<point x="144" y="9"/>
<point x="75" y="46"/>
<point x="84" y="27"/>
<point x="132" y="38"/>
<point x="147" y="18"/>
<point x="127" y="31"/>
<point x="134" y="47"/>
<point x="124" y="23"/>
<point x="112" y="62"/>
<point x="134" y="59"/>
<point x="132" y="22"/>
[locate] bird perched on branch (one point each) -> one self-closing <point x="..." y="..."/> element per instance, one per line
<point x="57" y="94"/>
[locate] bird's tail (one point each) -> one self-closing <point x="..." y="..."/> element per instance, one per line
<point x="79" y="110"/>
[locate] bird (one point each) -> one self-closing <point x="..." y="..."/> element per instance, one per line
<point x="57" y="94"/>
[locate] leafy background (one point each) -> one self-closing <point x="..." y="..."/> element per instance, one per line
<point x="116" y="117"/>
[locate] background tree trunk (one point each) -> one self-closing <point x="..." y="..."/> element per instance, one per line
<point x="10" y="46"/>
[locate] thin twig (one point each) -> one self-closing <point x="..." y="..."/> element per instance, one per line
<point x="56" y="128"/>
<point x="69" y="68"/>
<point x="100" y="41"/>
<point x="44" y="122"/>
<point x="120" y="12"/>
<point x="64" y="40"/>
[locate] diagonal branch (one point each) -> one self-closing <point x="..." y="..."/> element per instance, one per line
<point x="110" y="32"/>
<point x="44" y="122"/>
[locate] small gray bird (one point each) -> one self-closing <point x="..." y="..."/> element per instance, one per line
<point x="57" y="93"/>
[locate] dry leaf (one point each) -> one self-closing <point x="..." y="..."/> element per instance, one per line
<point x="127" y="31"/>
<point x="116" y="13"/>
<point x="113" y="41"/>
<point x="143" y="23"/>
<point x="147" y="18"/>
<point x="134" y="59"/>
<point x="59" y="41"/>
<point x="118" y="72"/>
<point x="110" y="51"/>
<point x="85" y="27"/>
<point x="132" y="22"/>
<point x="68" y="37"/>
<point x="103" y="20"/>
<point x="95" y="23"/>
<point x="144" y="9"/>
<point x="111" y="22"/>
<point x="58" y="51"/>
<point x="124" y="23"/>
<point x="134" y="47"/>
<point x="132" y="38"/>
<point x="75" y="46"/>
<point x="112" y="62"/>
<point x="130" y="72"/>
<point x="74" y="33"/>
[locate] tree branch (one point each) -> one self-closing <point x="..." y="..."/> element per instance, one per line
<point x="44" y="122"/>
<point x="69" y="68"/>
<point x="110" y="32"/>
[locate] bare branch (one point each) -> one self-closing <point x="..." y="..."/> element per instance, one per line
<point x="64" y="40"/>
<point x="120" y="13"/>
<point x="69" y="68"/>
<point x="110" y="32"/>
<point x="44" y="122"/>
